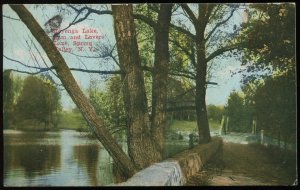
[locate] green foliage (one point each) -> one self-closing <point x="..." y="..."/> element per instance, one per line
<point x="180" y="94"/>
<point x="271" y="36"/>
<point x="270" y="63"/>
<point x="72" y="120"/>
<point x="240" y="116"/>
<point x="214" y="125"/>
<point x="8" y="97"/>
<point x="188" y="126"/>
<point x="191" y="126"/>
<point x="12" y="87"/>
<point x="275" y="105"/>
<point x="145" y="34"/>
<point x="109" y="104"/>
<point x="182" y="52"/>
<point x="38" y="101"/>
<point x="215" y="112"/>
<point x="18" y="82"/>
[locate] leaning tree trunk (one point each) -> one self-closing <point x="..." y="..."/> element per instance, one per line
<point x="68" y="81"/>
<point x="160" y="76"/>
<point x="140" y="147"/>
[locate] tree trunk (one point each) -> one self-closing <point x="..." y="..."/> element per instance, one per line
<point x="202" y="121"/>
<point x="140" y="147"/>
<point x="201" y="72"/>
<point x="68" y="81"/>
<point x="278" y="138"/>
<point x="285" y="149"/>
<point x="160" y="76"/>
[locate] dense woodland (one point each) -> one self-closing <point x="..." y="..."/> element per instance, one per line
<point x="164" y="69"/>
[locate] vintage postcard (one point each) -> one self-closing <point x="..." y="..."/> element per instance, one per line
<point x="149" y="94"/>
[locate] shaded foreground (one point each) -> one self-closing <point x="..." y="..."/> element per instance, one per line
<point x="248" y="165"/>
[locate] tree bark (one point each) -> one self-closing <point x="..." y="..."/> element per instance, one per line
<point x="140" y="147"/>
<point x="160" y="76"/>
<point x="68" y="81"/>
<point x="278" y="139"/>
<point x="202" y="121"/>
<point x="201" y="72"/>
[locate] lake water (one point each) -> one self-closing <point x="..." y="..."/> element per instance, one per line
<point x="63" y="158"/>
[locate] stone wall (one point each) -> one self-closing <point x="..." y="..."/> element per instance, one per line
<point x="175" y="170"/>
<point x="191" y="161"/>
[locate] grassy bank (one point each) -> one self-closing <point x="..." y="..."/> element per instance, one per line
<point x="66" y="120"/>
<point x="189" y="126"/>
<point x="72" y="120"/>
<point x="75" y="121"/>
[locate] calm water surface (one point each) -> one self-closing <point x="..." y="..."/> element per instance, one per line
<point x="63" y="158"/>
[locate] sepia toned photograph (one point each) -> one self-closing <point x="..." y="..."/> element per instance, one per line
<point x="149" y="94"/>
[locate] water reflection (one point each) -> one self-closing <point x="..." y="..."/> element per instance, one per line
<point x="64" y="158"/>
<point x="87" y="157"/>
<point x="33" y="159"/>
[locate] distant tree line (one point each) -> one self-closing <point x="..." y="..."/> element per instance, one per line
<point x="269" y="80"/>
<point x="30" y="103"/>
<point x="270" y="102"/>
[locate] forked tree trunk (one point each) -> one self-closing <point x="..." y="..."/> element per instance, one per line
<point x="200" y="21"/>
<point x="140" y="147"/>
<point x="160" y="76"/>
<point x="126" y="165"/>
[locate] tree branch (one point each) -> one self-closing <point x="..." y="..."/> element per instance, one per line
<point x="225" y="49"/>
<point x="28" y="72"/>
<point x="146" y="68"/>
<point x="42" y="57"/>
<point x="212" y="83"/>
<point x="90" y="10"/>
<point x="43" y="69"/>
<point x="11" y="18"/>
<point x="186" y="32"/>
<point x="32" y="54"/>
<point x="79" y="11"/>
<point x="181" y="75"/>
<point x="192" y="16"/>
<point x="85" y="56"/>
<point x="219" y="24"/>
<point x="136" y="16"/>
<point x="10" y="59"/>
<point x="146" y="20"/>
<point x="185" y="50"/>
<point x="97" y="71"/>
<point x="182" y="94"/>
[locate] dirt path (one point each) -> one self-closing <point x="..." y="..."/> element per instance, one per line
<point x="248" y="165"/>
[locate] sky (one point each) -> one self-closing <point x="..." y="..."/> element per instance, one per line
<point x="14" y="46"/>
